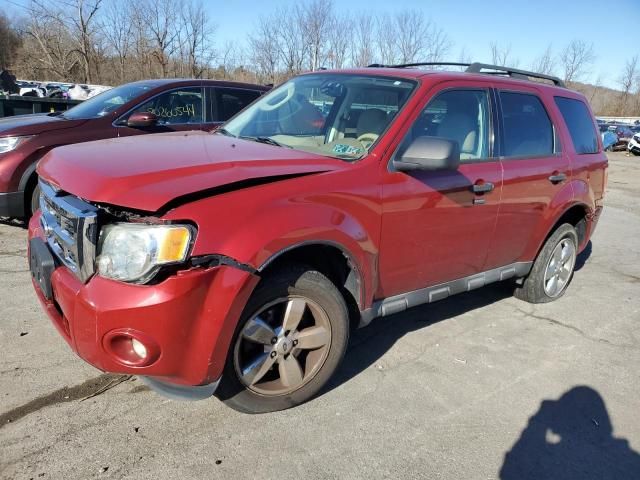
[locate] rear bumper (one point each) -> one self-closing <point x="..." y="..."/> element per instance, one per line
<point x="12" y="204"/>
<point x="186" y="322"/>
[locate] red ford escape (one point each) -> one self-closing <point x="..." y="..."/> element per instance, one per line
<point x="235" y="263"/>
<point x="150" y="106"/>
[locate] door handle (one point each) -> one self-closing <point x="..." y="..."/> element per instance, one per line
<point x="485" y="187"/>
<point x="557" y="178"/>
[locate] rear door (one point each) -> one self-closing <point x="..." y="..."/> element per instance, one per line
<point x="535" y="170"/>
<point x="437" y="226"/>
<point x="225" y="102"/>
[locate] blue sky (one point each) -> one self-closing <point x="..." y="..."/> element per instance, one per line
<point x="527" y="25"/>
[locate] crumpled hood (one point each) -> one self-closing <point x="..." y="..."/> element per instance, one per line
<point x="34" y="124"/>
<point x="150" y="171"/>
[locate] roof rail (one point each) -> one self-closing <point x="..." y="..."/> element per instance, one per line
<point x="512" y="72"/>
<point x="477" y="67"/>
<point x="421" y="64"/>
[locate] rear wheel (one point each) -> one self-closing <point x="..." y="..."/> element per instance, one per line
<point x="553" y="269"/>
<point x="290" y="340"/>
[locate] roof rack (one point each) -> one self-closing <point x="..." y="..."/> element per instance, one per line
<point x="477" y="67"/>
<point x="513" y="72"/>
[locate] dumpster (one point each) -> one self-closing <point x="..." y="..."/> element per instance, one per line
<point x="16" y="105"/>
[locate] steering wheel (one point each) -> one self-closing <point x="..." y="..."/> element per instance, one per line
<point x="268" y="107"/>
<point x="367" y="139"/>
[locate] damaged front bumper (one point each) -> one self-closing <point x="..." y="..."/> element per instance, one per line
<point x="183" y="325"/>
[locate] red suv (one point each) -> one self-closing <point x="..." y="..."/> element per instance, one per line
<point x="149" y="106"/>
<point x="237" y="262"/>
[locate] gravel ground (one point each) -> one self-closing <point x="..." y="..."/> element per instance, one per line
<point x="478" y="386"/>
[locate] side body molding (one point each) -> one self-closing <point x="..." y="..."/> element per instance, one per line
<point x="399" y="303"/>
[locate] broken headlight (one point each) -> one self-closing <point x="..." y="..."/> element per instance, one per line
<point x="132" y="252"/>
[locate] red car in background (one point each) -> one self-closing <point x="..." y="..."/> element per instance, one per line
<point x="149" y="106"/>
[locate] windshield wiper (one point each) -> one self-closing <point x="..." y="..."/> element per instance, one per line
<point x="226" y="132"/>
<point x="267" y="140"/>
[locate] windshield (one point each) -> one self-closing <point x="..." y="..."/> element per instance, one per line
<point x="336" y="115"/>
<point x="106" y="102"/>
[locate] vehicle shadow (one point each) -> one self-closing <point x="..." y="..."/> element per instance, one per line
<point x="369" y="344"/>
<point x="571" y="438"/>
<point x="13" y="222"/>
<point x="583" y="258"/>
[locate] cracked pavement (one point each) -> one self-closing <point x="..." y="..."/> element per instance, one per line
<point x="437" y="392"/>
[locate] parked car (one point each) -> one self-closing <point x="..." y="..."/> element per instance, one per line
<point x="624" y="134"/>
<point x="237" y="262"/>
<point x="149" y="106"/>
<point x="609" y="138"/>
<point x="634" y="144"/>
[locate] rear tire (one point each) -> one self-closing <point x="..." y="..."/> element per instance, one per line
<point x="553" y="268"/>
<point x="290" y="340"/>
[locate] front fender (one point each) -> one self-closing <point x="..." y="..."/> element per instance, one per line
<point x="255" y="225"/>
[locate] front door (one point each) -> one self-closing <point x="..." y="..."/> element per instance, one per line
<point x="179" y="109"/>
<point x="438" y="226"/>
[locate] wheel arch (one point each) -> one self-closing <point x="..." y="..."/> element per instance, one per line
<point x="577" y="215"/>
<point x="330" y="258"/>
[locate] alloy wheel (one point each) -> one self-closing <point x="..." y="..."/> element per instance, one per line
<point x="559" y="268"/>
<point x="282" y="346"/>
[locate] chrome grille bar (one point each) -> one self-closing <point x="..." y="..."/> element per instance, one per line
<point x="70" y="227"/>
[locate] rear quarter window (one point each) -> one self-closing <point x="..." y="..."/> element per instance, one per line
<point x="579" y="123"/>
<point x="232" y="100"/>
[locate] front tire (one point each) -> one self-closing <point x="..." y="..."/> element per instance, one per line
<point x="34" y="201"/>
<point x="290" y="340"/>
<point x="553" y="269"/>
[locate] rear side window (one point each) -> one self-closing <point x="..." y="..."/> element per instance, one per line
<point x="580" y="124"/>
<point x="231" y="101"/>
<point x="528" y="131"/>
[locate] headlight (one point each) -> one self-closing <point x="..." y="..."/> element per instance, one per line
<point x="11" y="143"/>
<point x="133" y="252"/>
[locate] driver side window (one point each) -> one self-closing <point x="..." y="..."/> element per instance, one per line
<point x="177" y="107"/>
<point x="458" y="115"/>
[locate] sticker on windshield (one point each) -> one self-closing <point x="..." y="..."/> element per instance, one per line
<point x="342" y="149"/>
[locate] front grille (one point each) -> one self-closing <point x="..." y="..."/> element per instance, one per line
<point x="70" y="228"/>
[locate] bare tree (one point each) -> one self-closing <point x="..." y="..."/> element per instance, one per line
<point x="117" y="28"/>
<point x="363" y="47"/>
<point x="84" y="31"/>
<point x="576" y="59"/>
<point x="9" y="42"/>
<point x="419" y="39"/>
<point x="291" y="40"/>
<point x="265" y="49"/>
<point x="49" y="42"/>
<point x="159" y="17"/>
<point x="502" y="56"/>
<point x="197" y="31"/>
<point x="340" y="40"/>
<point x="316" y="18"/>
<point x="545" y="63"/>
<point x="628" y="80"/>
<point x="386" y="40"/>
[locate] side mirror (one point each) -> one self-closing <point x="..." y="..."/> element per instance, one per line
<point x="429" y="153"/>
<point x="142" y="120"/>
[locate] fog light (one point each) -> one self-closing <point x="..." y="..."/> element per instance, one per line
<point x="131" y="348"/>
<point x="139" y="348"/>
